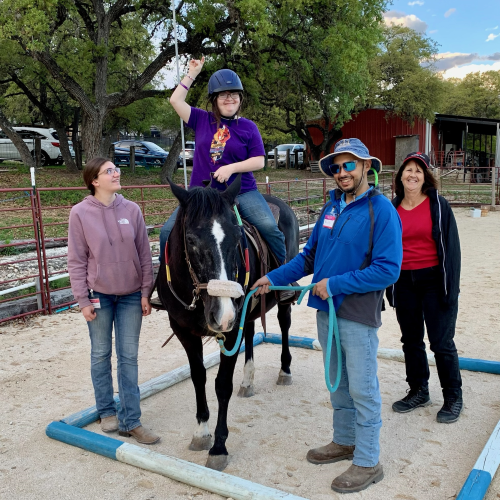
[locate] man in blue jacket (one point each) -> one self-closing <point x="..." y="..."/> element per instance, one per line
<point x="355" y="252"/>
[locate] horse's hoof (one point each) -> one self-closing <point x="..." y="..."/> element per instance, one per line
<point x="217" y="462"/>
<point x="201" y="443"/>
<point x="246" y="392"/>
<point x="284" y="379"/>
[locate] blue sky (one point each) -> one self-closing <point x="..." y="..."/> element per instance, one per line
<point x="468" y="32"/>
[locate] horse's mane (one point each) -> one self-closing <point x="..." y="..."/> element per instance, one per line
<point x="204" y="203"/>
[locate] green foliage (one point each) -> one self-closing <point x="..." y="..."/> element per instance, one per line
<point x="403" y="78"/>
<point x="477" y="94"/>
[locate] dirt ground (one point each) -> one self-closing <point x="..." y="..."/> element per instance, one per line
<point x="45" y="376"/>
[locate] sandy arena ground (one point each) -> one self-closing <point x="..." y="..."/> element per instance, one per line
<point x="45" y="375"/>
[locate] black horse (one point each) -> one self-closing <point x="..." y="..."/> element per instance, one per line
<point x="206" y="244"/>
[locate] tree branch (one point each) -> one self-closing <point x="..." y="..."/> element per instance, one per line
<point x="65" y="80"/>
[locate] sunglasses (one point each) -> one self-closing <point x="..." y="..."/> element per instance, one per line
<point x="110" y="171"/>
<point x="332" y="169"/>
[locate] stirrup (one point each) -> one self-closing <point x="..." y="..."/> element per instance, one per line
<point x="156" y="304"/>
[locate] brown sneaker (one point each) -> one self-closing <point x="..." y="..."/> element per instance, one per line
<point x="357" y="478"/>
<point x="141" y="435"/>
<point x="109" y="424"/>
<point x="330" y="453"/>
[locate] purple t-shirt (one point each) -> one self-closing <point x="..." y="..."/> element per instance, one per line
<point x="234" y="141"/>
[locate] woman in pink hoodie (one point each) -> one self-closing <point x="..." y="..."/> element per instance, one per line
<point x="111" y="272"/>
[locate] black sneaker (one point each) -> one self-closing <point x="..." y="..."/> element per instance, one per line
<point x="416" y="398"/>
<point x="450" y="411"/>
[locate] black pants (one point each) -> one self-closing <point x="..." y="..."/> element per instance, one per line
<point x="417" y="299"/>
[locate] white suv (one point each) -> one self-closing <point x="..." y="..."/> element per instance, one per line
<point x="51" y="154"/>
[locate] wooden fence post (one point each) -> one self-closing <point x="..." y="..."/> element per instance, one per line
<point x="132" y="159"/>
<point x="287" y="160"/>
<point x="276" y="158"/>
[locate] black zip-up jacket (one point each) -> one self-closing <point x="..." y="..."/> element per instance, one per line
<point x="445" y="234"/>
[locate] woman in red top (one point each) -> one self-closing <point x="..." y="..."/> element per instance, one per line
<point x="427" y="289"/>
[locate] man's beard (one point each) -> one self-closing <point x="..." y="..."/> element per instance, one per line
<point x="350" y="190"/>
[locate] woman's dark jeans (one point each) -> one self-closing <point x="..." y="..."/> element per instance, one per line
<point x="417" y="300"/>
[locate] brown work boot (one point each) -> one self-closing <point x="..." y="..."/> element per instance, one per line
<point x="109" y="424"/>
<point x="330" y="453"/>
<point x="357" y="478"/>
<point x="141" y="435"/>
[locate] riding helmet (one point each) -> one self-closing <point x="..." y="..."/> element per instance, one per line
<point x="224" y="79"/>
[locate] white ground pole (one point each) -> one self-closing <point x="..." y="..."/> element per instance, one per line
<point x="174" y="468"/>
<point x="179" y="81"/>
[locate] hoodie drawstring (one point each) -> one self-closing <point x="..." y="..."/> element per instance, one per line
<point x="106" y="226"/>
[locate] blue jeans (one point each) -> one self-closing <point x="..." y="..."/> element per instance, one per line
<point x="125" y="312"/>
<point x="254" y="209"/>
<point x="356" y="403"/>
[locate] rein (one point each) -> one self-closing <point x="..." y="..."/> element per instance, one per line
<point x="197" y="285"/>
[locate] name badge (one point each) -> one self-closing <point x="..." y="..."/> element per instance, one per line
<point x="96" y="303"/>
<point x="328" y="221"/>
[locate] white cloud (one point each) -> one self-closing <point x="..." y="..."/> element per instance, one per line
<point x="470" y="68"/>
<point x="417" y="2"/>
<point x="491" y="29"/>
<point x="491" y="37"/>
<point x="432" y="32"/>
<point x="449" y="12"/>
<point x="402" y="19"/>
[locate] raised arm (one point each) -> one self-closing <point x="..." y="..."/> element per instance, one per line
<point x="178" y="98"/>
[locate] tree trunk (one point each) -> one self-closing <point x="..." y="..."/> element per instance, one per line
<point x="74" y="136"/>
<point x="20" y="145"/>
<point x="93" y="144"/>
<point x="168" y="168"/>
<point x="64" y="147"/>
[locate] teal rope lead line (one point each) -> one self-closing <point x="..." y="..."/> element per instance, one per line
<point x="333" y="330"/>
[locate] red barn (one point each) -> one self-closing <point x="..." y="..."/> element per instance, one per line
<point x="381" y="133"/>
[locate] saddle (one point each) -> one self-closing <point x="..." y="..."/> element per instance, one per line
<point x="267" y="261"/>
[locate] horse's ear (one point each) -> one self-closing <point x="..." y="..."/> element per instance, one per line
<point x="180" y="193"/>
<point x="233" y="190"/>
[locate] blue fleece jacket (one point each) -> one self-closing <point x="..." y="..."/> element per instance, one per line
<point x="359" y="250"/>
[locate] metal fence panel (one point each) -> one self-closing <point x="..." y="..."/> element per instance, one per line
<point x="38" y="221"/>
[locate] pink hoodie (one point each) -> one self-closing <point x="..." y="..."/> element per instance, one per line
<point x="108" y="249"/>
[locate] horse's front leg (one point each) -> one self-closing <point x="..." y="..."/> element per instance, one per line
<point x="202" y="439"/>
<point x="246" y="387"/>
<point x="218" y="456"/>
<point x="285" y="321"/>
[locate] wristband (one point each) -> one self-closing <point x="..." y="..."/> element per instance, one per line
<point x="190" y="77"/>
<point x="182" y="85"/>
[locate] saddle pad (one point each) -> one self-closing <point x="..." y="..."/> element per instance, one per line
<point x="275" y="211"/>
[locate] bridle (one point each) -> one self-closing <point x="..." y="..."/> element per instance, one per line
<point x="197" y="285"/>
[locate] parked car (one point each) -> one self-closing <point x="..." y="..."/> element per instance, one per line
<point x="51" y="154"/>
<point x="146" y="153"/>
<point x="189" y="152"/>
<point x="282" y="149"/>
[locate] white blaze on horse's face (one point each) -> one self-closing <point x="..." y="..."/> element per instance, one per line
<point x="227" y="312"/>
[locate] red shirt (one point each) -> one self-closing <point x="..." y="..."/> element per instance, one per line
<point x="419" y="248"/>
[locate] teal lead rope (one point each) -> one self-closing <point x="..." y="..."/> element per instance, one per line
<point x="333" y="330"/>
